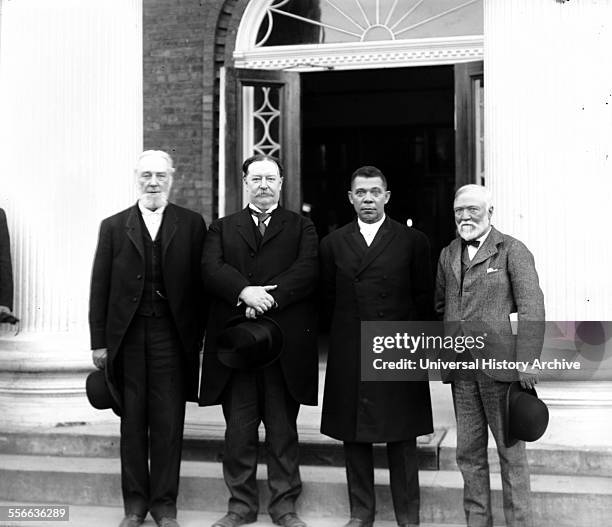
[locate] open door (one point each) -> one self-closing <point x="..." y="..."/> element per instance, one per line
<point x="262" y="116"/>
<point x="469" y="123"/>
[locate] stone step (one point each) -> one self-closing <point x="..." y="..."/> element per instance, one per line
<point x="559" y="501"/>
<point x="204" y="443"/>
<point x="94" y="516"/>
<point x="544" y="458"/>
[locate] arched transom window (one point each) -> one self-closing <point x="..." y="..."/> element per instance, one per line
<point x="338" y="33"/>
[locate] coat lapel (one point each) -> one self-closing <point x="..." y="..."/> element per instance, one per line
<point x="168" y="228"/>
<point x="245" y="228"/>
<point x="384" y="235"/>
<point x="276" y="225"/>
<point x="134" y="230"/>
<point x="355" y="241"/>
<point x="455" y="258"/>
<point x="489" y="247"/>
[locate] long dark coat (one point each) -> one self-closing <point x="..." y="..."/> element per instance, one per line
<point x="117" y="285"/>
<point x="390" y="280"/>
<point x="287" y="257"/>
<point x="6" y="268"/>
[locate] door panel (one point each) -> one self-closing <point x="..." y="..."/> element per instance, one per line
<point x="262" y="110"/>
<point x="469" y="123"/>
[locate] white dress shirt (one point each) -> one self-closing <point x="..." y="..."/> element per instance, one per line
<point x="257" y="209"/>
<point x="369" y="230"/>
<point x="152" y="219"/>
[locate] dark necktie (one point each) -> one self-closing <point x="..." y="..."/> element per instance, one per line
<point x="261" y="218"/>
<point x="473" y="243"/>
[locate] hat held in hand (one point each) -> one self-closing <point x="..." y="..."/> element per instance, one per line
<point x="249" y="344"/>
<point x="526" y="416"/>
<point x="99" y="393"/>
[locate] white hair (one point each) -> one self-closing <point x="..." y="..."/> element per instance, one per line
<point x="484" y="192"/>
<point x="158" y="153"/>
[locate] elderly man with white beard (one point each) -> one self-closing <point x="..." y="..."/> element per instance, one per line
<point x="146" y="316"/>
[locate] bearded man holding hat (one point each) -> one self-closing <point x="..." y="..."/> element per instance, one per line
<point x="146" y="317"/>
<point x="485" y="276"/>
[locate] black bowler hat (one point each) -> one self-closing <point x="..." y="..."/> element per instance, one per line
<point x="526" y="416"/>
<point x="99" y="393"/>
<point x="249" y="344"/>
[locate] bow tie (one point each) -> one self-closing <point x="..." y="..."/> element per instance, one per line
<point x="473" y="243"/>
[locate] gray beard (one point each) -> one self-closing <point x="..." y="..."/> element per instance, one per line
<point x="153" y="201"/>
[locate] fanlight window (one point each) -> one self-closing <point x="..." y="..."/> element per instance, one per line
<point x="288" y="22"/>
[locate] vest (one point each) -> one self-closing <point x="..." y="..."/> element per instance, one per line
<point x="153" y="302"/>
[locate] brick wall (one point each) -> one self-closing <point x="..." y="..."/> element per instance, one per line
<point x="185" y="44"/>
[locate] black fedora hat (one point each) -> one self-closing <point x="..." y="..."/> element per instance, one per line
<point x="98" y="392"/>
<point x="526" y="416"/>
<point x="249" y="344"/>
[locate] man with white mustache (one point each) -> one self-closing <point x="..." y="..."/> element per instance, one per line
<point x="484" y="276"/>
<point x="146" y="316"/>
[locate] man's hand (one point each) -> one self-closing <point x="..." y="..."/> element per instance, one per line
<point x="529" y="378"/>
<point x="250" y="312"/>
<point x="98" y="357"/>
<point x="258" y="298"/>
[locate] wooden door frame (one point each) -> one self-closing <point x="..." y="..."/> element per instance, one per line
<point x="465" y="136"/>
<point x="290" y="134"/>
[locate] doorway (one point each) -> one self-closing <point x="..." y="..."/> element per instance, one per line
<point x="402" y="121"/>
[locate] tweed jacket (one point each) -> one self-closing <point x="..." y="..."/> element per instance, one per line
<point x="501" y="279"/>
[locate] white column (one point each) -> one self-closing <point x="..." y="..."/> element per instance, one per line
<point x="70" y="130"/>
<point x="548" y="130"/>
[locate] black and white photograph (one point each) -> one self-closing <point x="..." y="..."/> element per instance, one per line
<point x="305" y="263"/>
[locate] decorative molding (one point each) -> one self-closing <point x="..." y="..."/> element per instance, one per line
<point x="422" y="52"/>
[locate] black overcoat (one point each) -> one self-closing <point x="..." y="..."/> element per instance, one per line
<point x="390" y="280"/>
<point x="117" y="284"/>
<point x="286" y="256"/>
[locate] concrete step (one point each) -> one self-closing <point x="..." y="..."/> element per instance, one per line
<point x="559" y="501"/>
<point x="94" y="516"/>
<point x="204" y="443"/>
<point x="544" y="458"/>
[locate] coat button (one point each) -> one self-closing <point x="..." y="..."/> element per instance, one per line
<point x="252" y="255"/>
<point x="383" y="295"/>
<point x="138" y="277"/>
<point x="356" y="279"/>
<point x="135" y="299"/>
<point x="381" y="314"/>
<point x="250" y="275"/>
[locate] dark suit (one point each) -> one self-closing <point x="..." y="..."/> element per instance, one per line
<point x="147" y="308"/>
<point x="235" y="256"/>
<point x="501" y="279"/>
<point x="6" y="269"/>
<point x="390" y="280"/>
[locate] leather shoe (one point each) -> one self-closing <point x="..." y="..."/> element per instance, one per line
<point x="291" y="519"/>
<point x="168" y="522"/>
<point x="232" y="519"/>
<point x="358" y="522"/>
<point x="131" y="520"/>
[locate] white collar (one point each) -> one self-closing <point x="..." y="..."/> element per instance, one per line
<point x="257" y="209"/>
<point x="371" y="227"/>
<point x="148" y="212"/>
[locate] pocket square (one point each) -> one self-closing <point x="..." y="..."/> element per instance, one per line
<point x="492" y="270"/>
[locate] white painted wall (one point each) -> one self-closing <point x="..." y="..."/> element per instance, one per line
<point x="70" y="130"/>
<point x="548" y="133"/>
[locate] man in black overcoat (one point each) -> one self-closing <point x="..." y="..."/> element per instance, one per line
<point x="374" y="268"/>
<point x="146" y="317"/>
<point x="262" y="260"/>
